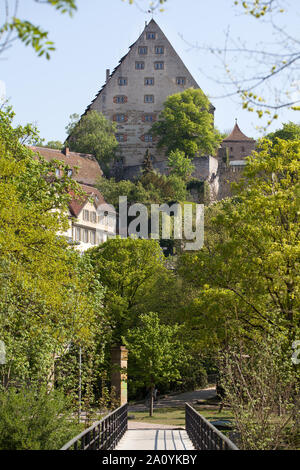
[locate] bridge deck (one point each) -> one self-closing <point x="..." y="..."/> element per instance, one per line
<point x="157" y="438"/>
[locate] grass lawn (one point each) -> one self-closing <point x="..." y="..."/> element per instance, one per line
<point x="176" y="416"/>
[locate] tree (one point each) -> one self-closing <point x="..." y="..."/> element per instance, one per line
<point x="128" y="269"/>
<point x="94" y="134"/>
<point x="156" y="351"/>
<point x="248" y="271"/>
<point x="180" y="165"/>
<point x="47" y="297"/>
<point x="186" y="124"/>
<point x="31" y="34"/>
<point x="289" y="131"/>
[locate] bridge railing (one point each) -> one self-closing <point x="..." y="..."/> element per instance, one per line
<point x="102" y="435"/>
<point x="203" y="434"/>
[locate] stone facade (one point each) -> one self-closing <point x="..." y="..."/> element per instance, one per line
<point x="134" y="94"/>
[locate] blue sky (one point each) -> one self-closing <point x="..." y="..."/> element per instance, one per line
<point x="99" y="34"/>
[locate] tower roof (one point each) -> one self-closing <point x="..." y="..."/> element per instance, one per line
<point x="237" y="135"/>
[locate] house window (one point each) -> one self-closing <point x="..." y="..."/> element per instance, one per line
<point x="148" y="118"/>
<point x="143" y="50"/>
<point x="139" y="65"/>
<point x="149" y="99"/>
<point x="57" y="172"/>
<point x="120" y="99"/>
<point x="243" y="149"/>
<point x="159" y="50"/>
<point x="180" y="80"/>
<point x="93" y="217"/>
<point x="86" y="215"/>
<point x="148" y="138"/>
<point x="149" y="81"/>
<point x="93" y="237"/>
<point x="150" y="35"/>
<point x="70" y="172"/>
<point x="85" y="235"/>
<point x="121" y="137"/>
<point x="159" y="65"/>
<point x="77" y="233"/>
<point x="122" y="81"/>
<point x="120" y="117"/>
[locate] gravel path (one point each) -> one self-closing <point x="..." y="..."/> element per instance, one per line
<point x="178" y="400"/>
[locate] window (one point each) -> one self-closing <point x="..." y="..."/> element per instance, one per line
<point x="243" y="149"/>
<point x="121" y="137"/>
<point x="93" y="217"/>
<point x="85" y="235"/>
<point x="93" y="237"/>
<point x="120" y="117"/>
<point x="86" y="215"/>
<point x="143" y="50"/>
<point x="139" y="65"/>
<point x="159" y="65"/>
<point x="159" y="50"/>
<point x="77" y="233"/>
<point x="148" y="118"/>
<point x="70" y="172"/>
<point x="149" y="81"/>
<point x="57" y="172"/>
<point x="148" y="138"/>
<point x="180" y="80"/>
<point x="150" y="35"/>
<point x="122" y="81"/>
<point x="149" y="99"/>
<point x="120" y="99"/>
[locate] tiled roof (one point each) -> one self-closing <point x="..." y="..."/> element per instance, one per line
<point x="237" y="135"/>
<point x="77" y="203"/>
<point x="88" y="171"/>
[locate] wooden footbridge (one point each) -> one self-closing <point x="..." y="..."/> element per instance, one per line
<point x="112" y="433"/>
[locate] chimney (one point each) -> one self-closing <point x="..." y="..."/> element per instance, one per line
<point x="66" y="151"/>
<point x="107" y="74"/>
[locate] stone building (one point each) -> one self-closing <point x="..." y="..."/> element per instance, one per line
<point x="134" y="94"/>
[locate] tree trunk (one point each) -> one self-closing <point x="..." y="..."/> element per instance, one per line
<point x="151" y="400"/>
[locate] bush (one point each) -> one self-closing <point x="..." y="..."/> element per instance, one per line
<point x="35" y="420"/>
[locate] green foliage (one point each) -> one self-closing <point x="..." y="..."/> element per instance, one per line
<point x="29" y="33"/>
<point x="180" y="165"/>
<point x="186" y="124"/>
<point x="261" y="388"/>
<point x="151" y="188"/>
<point x="32" y="419"/>
<point x="127" y="269"/>
<point x="94" y="134"/>
<point x="55" y="144"/>
<point x="155" y="350"/>
<point x="248" y="271"/>
<point x="47" y="297"/>
<point x="289" y="131"/>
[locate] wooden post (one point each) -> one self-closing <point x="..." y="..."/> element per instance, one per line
<point x="119" y="358"/>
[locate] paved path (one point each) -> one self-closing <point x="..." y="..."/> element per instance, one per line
<point x="145" y="436"/>
<point x="178" y="400"/>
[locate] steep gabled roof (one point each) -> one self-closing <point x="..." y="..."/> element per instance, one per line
<point x="148" y="26"/>
<point x="77" y="203"/>
<point x="237" y="135"/>
<point x="88" y="169"/>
